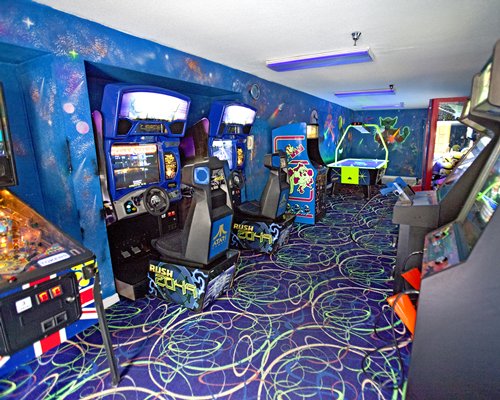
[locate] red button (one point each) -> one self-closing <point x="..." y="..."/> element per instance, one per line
<point x="43" y="297"/>
<point x="56" y="291"/>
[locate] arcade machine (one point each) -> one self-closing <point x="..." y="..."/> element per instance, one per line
<point x="456" y="347"/>
<point x="307" y="182"/>
<point x="360" y="171"/>
<point x="49" y="284"/>
<point x="194" y="267"/>
<point x="425" y="211"/>
<point x="263" y="225"/>
<point x="230" y="125"/>
<point x="137" y="132"/>
<point x="320" y="166"/>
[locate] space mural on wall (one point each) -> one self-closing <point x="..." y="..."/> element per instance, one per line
<point x="403" y="133"/>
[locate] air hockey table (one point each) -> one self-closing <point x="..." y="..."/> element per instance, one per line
<point x="359" y="171"/>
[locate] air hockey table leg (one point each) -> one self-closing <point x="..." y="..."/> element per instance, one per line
<point x="103" y="326"/>
<point x="367" y="191"/>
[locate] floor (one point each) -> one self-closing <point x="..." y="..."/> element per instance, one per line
<point x="308" y="322"/>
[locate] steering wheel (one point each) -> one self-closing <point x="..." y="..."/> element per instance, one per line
<point x="156" y="200"/>
<point x="236" y="179"/>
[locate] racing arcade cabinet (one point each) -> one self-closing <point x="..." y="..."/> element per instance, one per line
<point x="137" y="136"/>
<point x="49" y="284"/>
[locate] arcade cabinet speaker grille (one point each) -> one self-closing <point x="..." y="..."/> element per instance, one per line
<point x="177" y="127"/>
<point x="124" y="126"/>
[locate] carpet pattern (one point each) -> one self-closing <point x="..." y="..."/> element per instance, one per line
<point x="297" y="324"/>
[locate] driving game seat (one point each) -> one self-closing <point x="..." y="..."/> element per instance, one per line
<point x="205" y="235"/>
<point x="274" y="198"/>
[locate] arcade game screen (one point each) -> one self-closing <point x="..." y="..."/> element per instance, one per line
<point x="27" y="241"/>
<point x="483" y="103"/>
<point x="152" y="106"/>
<point x="223" y="150"/>
<point x="484" y="85"/>
<point x="484" y="206"/>
<point x="238" y="115"/>
<point x="134" y="165"/>
<point x="462" y="166"/>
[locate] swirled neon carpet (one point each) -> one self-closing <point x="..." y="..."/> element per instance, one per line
<point x="298" y="324"/>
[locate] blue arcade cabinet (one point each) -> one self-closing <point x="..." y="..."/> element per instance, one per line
<point x="230" y="123"/>
<point x="307" y="177"/>
<point x="138" y="131"/>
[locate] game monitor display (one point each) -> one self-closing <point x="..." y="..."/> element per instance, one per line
<point x="462" y="166"/>
<point x="134" y="165"/>
<point x="486" y="89"/>
<point x="230" y="118"/>
<point x="152" y="106"/>
<point x="484" y="206"/>
<point x="470" y="120"/>
<point x="223" y="150"/>
<point x="237" y="115"/>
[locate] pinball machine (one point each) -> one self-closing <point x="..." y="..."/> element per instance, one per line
<point x="49" y="284"/>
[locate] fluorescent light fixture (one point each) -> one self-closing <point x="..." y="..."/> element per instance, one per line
<point x="339" y="57"/>
<point x="367" y="92"/>
<point x="384" y="106"/>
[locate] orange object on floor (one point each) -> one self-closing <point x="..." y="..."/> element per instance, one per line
<point x="404" y="309"/>
<point x="413" y="277"/>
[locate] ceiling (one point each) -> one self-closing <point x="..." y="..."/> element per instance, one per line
<point x="425" y="48"/>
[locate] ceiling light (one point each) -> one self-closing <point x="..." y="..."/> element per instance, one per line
<point x="339" y="57"/>
<point x="367" y="92"/>
<point x="384" y="106"/>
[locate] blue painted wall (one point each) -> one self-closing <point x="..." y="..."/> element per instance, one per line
<point x="26" y="164"/>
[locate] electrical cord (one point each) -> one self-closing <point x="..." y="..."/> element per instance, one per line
<point x="357" y="215"/>
<point x="398" y="272"/>
<point x="389" y="346"/>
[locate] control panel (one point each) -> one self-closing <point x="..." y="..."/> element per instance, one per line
<point x="36" y="312"/>
<point x="133" y="203"/>
<point x="440" y="251"/>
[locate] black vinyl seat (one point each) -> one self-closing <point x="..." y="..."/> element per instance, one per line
<point x="274" y="198"/>
<point x="206" y="232"/>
